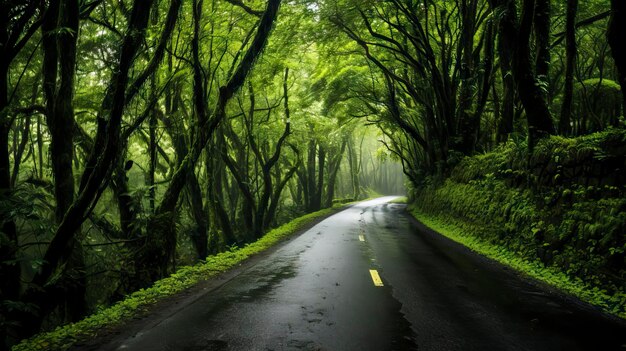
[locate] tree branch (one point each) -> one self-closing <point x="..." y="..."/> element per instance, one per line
<point x="245" y="7"/>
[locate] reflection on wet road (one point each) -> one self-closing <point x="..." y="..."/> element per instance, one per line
<point x="320" y="292"/>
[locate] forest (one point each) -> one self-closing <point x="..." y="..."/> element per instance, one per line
<point x="137" y="137"/>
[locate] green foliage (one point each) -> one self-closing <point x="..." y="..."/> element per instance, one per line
<point x="597" y="104"/>
<point x="65" y="337"/>
<point x="592" y="159"/>
<point x="344" y="200"/>
<point x="557" y="225"/>
<point x="467" y="234"/>
<point x="566" y="198"/>
<point x="399" y="200"/>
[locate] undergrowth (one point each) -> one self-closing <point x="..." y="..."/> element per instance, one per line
<point x="558" y="214"/>
<point x="468" y="235"/>
<point x="399" y="200"/>
<point x="64" y="337"/>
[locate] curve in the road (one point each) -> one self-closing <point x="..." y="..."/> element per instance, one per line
<point x="371" y="278"/>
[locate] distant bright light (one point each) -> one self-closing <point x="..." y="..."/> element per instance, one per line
<point x="313" y="7"/>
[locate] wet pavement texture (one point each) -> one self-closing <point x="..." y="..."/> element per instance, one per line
<point x="315" y="293"/>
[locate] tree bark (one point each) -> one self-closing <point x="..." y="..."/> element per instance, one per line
<point x="505" y="125"/>
<point x="200" y="236"/>
<point x="309" y="186"/>
<point x="469" y="123"/>
<point x="334" y="166"/>
<point x="570" y="60"/>
<point x="216" y="203"/>
<point x="538" y="116"/>
<point x="542" y="41"/>
<point x="167" y="206"/>
<point x="354" y="170"/>
<point x="226" y="92"/>
<point x="9" y="272"/>
<point x="59" y="49"/>
<point x="262" y="220"/>
<point x="60" y="250"/>
<point x="16" y="29"/>
<point x="321" y="164"/>
<point x="615" y="34"/>
<point x="24" y="140"/>
<point x="152" y="149"/>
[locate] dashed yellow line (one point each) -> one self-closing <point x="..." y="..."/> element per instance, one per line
<point x="361" y="237"/>
<point x="376" y="277"/>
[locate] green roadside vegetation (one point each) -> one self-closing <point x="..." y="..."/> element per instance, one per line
<point x="138" y="136"/>
<point x="461" y="233"/>
<point x="399" y="200"/>
<point x="64" y="337"/>
<point x="557" y="215"/>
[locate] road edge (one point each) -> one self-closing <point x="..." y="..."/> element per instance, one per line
<point x="180" y="288"/>
<point x="550" y="279"/>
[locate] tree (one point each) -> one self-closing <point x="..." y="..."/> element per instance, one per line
<point x="137" y="136"/>
<point x="59" y="37"/>
<point x="615" y="35"/>
<point x="571" y="52"/>
<point x="18" y="23"/>
<point x="516" y="33"/>
<point x="160" y="225"/>
<point x="60" y="249"/>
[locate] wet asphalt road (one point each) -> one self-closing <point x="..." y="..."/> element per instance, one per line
<point x="316" y="293"/>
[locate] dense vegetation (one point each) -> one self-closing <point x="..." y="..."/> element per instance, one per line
<point x="136" y="136"/>
<point x="561" y="211"/>
<point x="99" y="323"/>
<point x="507" y="117"/>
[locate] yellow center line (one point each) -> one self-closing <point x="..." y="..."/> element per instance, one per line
<point x="361" y="237"/>
<point x="376" y="277"/>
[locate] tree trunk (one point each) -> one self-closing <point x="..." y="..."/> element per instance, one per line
<point x="542" y="42"/>
<point x="226" y="92"/>
<point x="615" y="34"/>
<point x="60" y="250"/>
<point x="161" y="225"/>
<point x="469" y="123"/>
<point x="9" y="272"/>
<point x="15" y="23"/>
<point x="200" y="236"/>
<point x="539" y="118"/>
<point x="505" y="125"/>
<point x="125" y="203"/>
<point x="40" y="146"/>
<point x="24" y="139"/>
<point x="570" y="60"/>
<point x="263" y="218"/>
<point x="59" y="48"/>
<point x="216" y="202"/>
<point x="271" y="211"/>
<point x="310" y="177"/>
<point x="152" y="149"/>
<point x="321" y="164"/>
<point x="354" y="170"/>
<point x="334" y="167"/>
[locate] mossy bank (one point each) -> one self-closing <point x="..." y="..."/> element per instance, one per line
<point x="558" y="214"/>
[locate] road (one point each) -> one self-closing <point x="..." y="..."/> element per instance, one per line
<point x="318" y="292"/>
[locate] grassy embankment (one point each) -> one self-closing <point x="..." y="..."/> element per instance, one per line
<point x="62" y="338"/>
<point x="558" y="216"/>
